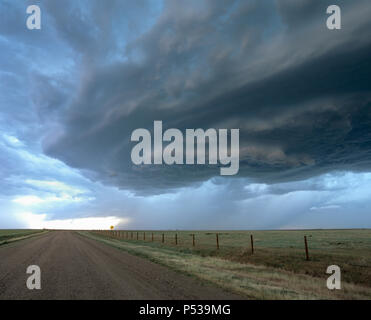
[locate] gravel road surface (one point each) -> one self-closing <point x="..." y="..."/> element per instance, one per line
<point x="75" y="267"/>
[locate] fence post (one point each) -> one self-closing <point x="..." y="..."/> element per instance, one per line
<point x="163" y="238"/>
<point x="193" y="240"/>
<point x="176" y="239"/>
<point x="217" y="241"/>
<point x="252" y="244"/>
<point x="306" y="248"/>
<point x="137" y="235"/>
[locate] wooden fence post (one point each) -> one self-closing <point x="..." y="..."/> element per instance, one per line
<point x="176" y="239"/>
<point x="217" y="241"/>
<point x="163" y="238"/>
<point x="306" y="248"/>
<point x="137" y="235"/>
<point x="252" y="244"/>
<point x="193" y="240"/>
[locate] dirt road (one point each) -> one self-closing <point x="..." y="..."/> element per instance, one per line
<point x="75" y="267"/>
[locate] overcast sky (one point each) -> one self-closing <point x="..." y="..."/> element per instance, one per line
<point x="72" y="93"/>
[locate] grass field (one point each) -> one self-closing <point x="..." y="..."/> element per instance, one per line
<point x="11" y="234"/>
<point x="277" y="269"/>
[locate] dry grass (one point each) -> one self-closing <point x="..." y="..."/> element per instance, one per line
<point x="11" y="235"/>
<point x="262" y="276"/>
<point x="349" y="249"/>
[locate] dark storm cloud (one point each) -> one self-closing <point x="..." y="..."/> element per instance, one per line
<point x="299" y="93"/>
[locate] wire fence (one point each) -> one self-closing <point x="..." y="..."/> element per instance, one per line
<point x="205" y="240"/>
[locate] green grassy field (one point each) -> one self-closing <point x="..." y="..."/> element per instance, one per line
<point x="9" y="234"/>
<point x="279" y="257"/>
